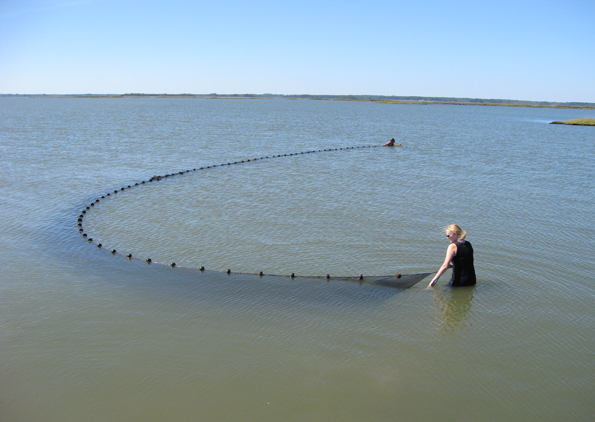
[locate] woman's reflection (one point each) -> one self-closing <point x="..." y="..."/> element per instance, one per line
<point x="453" y="306"/>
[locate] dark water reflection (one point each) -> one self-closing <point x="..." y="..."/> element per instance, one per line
<point x="453" y="306"/>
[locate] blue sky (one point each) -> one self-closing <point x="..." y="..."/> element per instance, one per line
<point x="523" y="49"/>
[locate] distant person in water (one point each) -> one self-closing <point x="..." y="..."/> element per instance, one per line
<point x="459" y="257"/>
<point x="391" y="143"/>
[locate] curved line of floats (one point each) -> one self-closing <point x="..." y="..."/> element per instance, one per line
<point x="89" y="207"/>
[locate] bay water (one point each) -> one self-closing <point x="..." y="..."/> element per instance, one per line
<point x="86" y="334"/>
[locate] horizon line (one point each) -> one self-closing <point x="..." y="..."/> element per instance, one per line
<point x="322" y="96"/>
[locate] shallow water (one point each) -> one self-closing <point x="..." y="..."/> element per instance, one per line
<point x="90" y="335"/>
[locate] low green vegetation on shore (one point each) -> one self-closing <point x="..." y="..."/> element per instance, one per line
<point x="587" y="121"/>
<point x="386" y="99"/>
<point x="501" y="103"/>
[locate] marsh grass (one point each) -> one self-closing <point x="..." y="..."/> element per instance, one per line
<point x="587" y="121"/>
<point x="461" y="103"/>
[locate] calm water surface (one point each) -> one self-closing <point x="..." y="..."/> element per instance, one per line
<point x="87" y="335"/>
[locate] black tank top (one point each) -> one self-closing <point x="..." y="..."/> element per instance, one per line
<point x="463" y="271"/>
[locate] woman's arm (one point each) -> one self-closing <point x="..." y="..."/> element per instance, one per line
<point x="450" y="252"/>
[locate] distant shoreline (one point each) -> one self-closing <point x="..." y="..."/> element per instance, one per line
<point x="358" y="98"/>
<point x="576" y="122"/>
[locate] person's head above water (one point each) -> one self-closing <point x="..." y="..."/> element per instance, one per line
<point x="455" y="229"/>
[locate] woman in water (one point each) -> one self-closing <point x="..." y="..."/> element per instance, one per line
<point x="459" y="257"/>
<point x="391" y="143"/>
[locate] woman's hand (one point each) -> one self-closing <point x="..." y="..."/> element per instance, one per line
<point x="450" y="252"/>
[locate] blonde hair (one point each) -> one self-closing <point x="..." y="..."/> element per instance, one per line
<point x="455" y="228"/>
